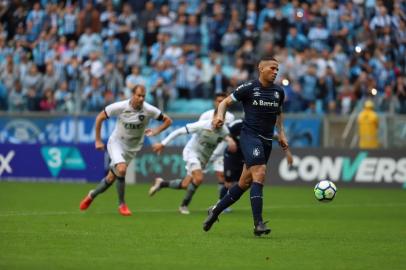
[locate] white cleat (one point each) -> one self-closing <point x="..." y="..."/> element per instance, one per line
<point x="184" y="210"/>
<point x="156" y="186"/>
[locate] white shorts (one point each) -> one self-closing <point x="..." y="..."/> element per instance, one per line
<point x="192" y="161"/>
<point x="118" y="153"/>
<point x="218" y="164"/>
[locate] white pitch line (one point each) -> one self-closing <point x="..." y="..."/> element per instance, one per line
<point x="67" y="213"/>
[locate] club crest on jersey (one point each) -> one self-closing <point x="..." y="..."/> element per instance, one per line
<point x="276" y="95"/>
<point x="141" y="117"/>
<point x="256" y="152"/>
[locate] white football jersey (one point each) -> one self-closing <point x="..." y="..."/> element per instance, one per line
<point x="131" y="123"/>
<point x="204" y="139"/>
<point x="221" y="147"/>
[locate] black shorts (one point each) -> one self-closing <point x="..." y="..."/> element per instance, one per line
<point x="255" y="149"/>
<point x="233" y="166"/>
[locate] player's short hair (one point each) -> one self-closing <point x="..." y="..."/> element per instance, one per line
<point x="136" y="87"/>
<point x="267" y="58"/>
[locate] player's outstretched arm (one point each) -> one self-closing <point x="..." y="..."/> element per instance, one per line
<point x="99" y="145"/>
<point x="218" y="119"/>
<point x="159" y="147"/>
<point x="167" y="121"/>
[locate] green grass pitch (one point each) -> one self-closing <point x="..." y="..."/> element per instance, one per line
<point x="41" y="227"/>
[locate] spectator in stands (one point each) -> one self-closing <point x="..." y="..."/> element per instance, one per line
<point x="9" y="73"/>
<point x="181" y="79"/>
<point x="32" y="80"/>
<point x="93" y="99"/>
<point x="230" y="42"/>
<point x="89" y="17"/>
<point x="161" y="93"/>
<point x="64" y="99"/>
<point x="89" y="42"/>
<point x="219" y="82"/>
<point x="47" y="102"/>
<point x="193" y="36"/>
<point x="113" y="79"/>
<point x="16" y="98"/>
<point x="112" y="48"/>
<point x="247" y="54"/>
<point x="400" y="92"/>
<point x="296" y="41"/>
<point x="50" y="78"/>
<point x="68" y="23"/>
<point x="133" y="51"/>
<point x="309" y="85"/>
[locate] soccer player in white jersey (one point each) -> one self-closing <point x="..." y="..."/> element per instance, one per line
<point x="196" y="154"/>
<point x="127" y="139"/>
<point x="217" y="158"/>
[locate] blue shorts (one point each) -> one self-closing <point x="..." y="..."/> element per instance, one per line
<point x="255" y="149"/>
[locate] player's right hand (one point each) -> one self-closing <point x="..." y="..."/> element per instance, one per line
<point x="99" y="145"/>
<point x="158" y="148"/>
<point x="217" y="122"/>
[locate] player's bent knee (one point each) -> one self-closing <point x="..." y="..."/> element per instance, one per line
<point x="121" y="170"/>
<point x="197" y="181"/>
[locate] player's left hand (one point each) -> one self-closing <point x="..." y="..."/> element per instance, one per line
<point x="150" y="132"/>
<point x="283" y="142"/>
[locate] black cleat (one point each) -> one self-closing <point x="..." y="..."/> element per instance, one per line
<point x="211" y="218"/>
<point x="261" y="228"/>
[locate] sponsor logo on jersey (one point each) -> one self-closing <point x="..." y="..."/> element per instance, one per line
<point x="257" y="94"/>
<point x="265" y="103"/>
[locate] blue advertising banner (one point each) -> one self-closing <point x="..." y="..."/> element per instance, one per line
<point x="68" y="129"/>
<point x="79" y="162"/>
<point x="80" y="129"/>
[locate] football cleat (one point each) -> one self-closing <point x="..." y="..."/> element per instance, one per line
<point x="86" y="202"/>
<point x="123" y="210"/>
<point x="261" y="228"/>
<point x="184" y="210"/>
<point x="211" y="218"/>
<point x="156" y="186"/>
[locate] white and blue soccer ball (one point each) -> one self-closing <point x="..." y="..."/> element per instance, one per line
<point x="325" y="191"/>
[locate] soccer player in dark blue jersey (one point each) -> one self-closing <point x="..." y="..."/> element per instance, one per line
<point x="262" y="102"/>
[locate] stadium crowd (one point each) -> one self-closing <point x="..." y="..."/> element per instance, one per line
<point x="79" y="56"/>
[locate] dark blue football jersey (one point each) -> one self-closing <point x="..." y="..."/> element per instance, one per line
<point x="261" y="106"/>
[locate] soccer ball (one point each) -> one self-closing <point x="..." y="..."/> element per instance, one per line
<point x="325" y="191"/>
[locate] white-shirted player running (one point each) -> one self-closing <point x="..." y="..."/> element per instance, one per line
<point x="217" y="158"/>
<point x="196" y="155"/>
<point x="127" y="139"/>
